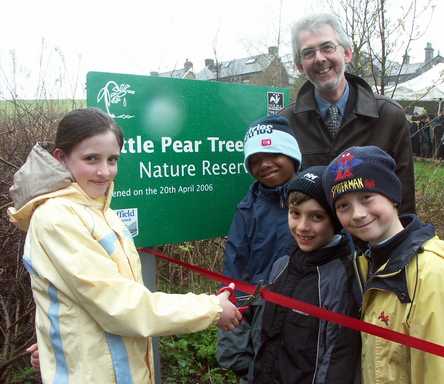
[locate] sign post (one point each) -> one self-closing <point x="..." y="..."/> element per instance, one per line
<point x="181" y="171"/>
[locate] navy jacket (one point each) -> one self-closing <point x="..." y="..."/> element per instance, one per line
<point x="258" y="235"/>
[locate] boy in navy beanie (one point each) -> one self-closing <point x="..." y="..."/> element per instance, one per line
<point x="319" y="272"/>
<point x="259" y="233"/>
<point x="403" y="266"/>
<point x="367" y="169"/>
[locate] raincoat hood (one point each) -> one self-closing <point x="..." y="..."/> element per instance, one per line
<point x="42" y="177"/>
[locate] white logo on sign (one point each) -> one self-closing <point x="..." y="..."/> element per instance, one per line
<point x="275" y="102"/>
<point x="129" y="216"/>
<point x="275" y="98"/>
<point x="113" y="93"/>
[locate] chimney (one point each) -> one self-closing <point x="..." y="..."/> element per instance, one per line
<point x="209" y="63"/>
<point x="188" y="65"/>
<point x="273" y="50"/>
<point x="406" y="59"/>
<point x="428" y="52"/>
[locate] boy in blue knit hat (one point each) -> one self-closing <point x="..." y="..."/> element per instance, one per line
<point x="403" y="266"/>
<point x="259" y="232"/>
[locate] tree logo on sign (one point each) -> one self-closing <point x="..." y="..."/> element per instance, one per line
<point x="115" y="94"/>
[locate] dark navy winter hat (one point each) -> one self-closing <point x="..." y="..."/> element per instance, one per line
<point x="309" y="182"/>
<point x="362" y="169"/>
<point x="271" y="135"/>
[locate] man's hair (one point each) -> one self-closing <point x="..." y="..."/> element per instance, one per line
<point x="313" y="23"/>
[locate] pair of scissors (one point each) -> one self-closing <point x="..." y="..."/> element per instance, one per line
<point x="247" y="300"/>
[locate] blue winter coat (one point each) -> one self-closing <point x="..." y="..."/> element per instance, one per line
<point x="259" y="234"/>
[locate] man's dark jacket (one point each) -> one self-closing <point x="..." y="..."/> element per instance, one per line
<point x="370" y="119"/>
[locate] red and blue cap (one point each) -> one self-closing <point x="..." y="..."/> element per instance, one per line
<point x="362" y="169"/>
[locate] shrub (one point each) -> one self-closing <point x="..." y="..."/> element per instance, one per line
<point x="430" y="193"/>
<point x="22" y="123"/>
<point x="191" y="359"/>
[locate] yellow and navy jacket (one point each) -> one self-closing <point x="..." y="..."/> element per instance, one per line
<point x="94" y="316"/>
<point x="406" y="294"/>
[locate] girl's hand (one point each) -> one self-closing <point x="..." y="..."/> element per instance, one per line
<point x="230" y="317"/>
<point x="35" y="360"/>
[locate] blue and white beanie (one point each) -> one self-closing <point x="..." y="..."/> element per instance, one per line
<point x="271" y="135"/>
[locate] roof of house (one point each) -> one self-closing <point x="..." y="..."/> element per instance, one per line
<point x="427" y="86"/>
<point x="410" y="69"/>
<point x="237" y="67"/>
<point x="181" y="73"/>
<point x="406" y="69"/>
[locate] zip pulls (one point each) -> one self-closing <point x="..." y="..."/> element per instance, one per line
<point x="359" y="278"/>
<point x="354" y="258"/>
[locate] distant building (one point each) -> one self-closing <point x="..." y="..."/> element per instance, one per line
<point x="271" y="69"/>
<point x="263" y="69"/>
<point x="406" y="70"/>
<point x="183" y="73"/>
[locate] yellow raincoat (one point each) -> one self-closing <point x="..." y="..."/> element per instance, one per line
<point x="94" y="316"/>
<point x="406" y="295"/>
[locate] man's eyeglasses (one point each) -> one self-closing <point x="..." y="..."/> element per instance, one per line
<point x="326" y="49"/>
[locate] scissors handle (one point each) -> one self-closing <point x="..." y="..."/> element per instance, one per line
<point x="242" y="309"/>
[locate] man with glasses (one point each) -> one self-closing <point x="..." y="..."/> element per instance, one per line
<point x="335" y="110"/>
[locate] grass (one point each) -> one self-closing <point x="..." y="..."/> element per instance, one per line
<point x="429" y="171"/>
<point x="429" y="177"/>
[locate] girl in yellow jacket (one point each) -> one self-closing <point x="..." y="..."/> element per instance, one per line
<point x="94" y="316"/>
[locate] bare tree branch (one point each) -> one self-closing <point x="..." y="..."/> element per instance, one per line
<point x="9" y="163"/>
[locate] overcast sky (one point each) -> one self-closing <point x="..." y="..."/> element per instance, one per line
<point x="58" y="42"/>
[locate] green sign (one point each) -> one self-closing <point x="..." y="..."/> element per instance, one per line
<point x="181" y="171"/>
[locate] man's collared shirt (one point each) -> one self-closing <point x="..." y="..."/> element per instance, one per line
<point x="323" y="104"/>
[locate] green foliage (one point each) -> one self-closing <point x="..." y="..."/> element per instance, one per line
<point x="192" y="359"/>
<point x="429" y="183"/>
<point x="205" y="253"/>
<point x="25" y="376"/>
<point x="427" y="172"/>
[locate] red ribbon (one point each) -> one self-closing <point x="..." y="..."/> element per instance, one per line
<point x="313" y="310"/>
